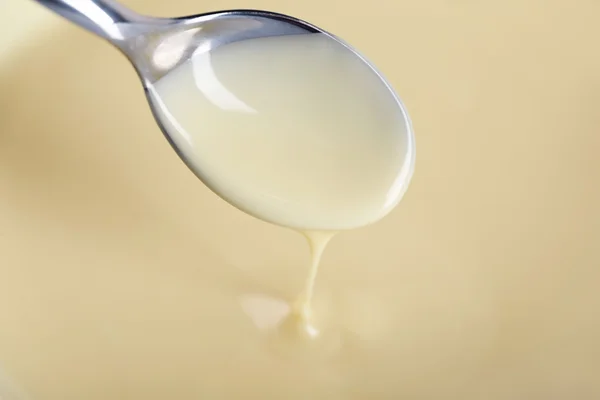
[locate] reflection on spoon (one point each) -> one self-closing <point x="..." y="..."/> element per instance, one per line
<point x="172" y="48"/>
<point x="208" y="83"/>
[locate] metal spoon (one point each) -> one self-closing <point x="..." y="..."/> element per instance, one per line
<point x="157" y="46"/>
<point x="144" y="39"/>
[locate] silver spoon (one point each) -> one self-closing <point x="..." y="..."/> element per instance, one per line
<point x="142" y="39"/>
<point x="157" y="46"/>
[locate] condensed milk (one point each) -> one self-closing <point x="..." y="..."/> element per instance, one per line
<point x="296" y="130"/>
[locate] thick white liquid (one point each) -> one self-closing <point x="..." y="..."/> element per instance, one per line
<point x="296" y="130"/>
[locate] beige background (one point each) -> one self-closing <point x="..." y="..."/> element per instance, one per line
<point x="488" y="271"/>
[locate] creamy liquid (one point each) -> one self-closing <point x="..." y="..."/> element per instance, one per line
<point x="296" y="130"/>
<point x="122" y="277"/>
<point x="317" y="242"/>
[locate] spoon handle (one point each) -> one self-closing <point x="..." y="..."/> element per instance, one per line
<point x="105" y="18"/>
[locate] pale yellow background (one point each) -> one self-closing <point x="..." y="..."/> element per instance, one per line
<point x="487" y="274"/>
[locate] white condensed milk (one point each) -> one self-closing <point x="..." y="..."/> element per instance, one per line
<point x="296" y="130"/>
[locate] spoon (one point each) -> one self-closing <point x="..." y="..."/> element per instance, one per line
<point x="158" y="46"/>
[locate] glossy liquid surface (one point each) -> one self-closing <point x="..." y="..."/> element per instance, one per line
<point x="296" y="130"/>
